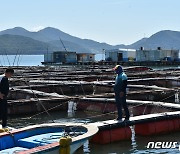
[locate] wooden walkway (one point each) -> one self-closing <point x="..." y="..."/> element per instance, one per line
<point x="137" y="120"/>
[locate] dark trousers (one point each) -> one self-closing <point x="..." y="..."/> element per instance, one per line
<point x="121" y="102"/>
<point x="3" y="112"/>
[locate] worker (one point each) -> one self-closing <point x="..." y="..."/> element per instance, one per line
<point x="120" y="92"/>
<point x="4" y="90"/>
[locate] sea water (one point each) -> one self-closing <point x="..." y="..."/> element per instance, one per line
<point x="29" y="60"/>
<point x="137" y="144"/>
<point x="21" y="60"/>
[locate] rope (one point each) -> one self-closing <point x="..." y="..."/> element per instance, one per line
<point x="163" y="100"/>
<point x="39" y="101"/>
<point x="79" y="81"/>
<point x="47" y="110"/>
<point x="99" y="115"/>
<point x="129" y="108"/>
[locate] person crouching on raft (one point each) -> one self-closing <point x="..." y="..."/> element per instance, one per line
<point x="4" y="90"/>
<point x="120" y="92"/>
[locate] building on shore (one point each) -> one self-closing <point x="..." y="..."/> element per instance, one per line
<point x="85" y="57"/>
<point x="157" y="55"/>
<point x="119" y="55"/>
<point x="68" y="57"/>
<point x="60" y="57"/>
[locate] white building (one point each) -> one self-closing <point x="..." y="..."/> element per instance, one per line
<point x="116" y="55"/>
<point x="156" y="55"/>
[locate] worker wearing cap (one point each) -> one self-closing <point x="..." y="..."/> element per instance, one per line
<point x="120" y="92"/>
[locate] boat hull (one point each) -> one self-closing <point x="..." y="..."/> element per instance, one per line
<point x="45" y="138"/>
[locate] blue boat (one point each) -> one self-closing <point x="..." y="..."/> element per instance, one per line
<point x="48" y="138"/>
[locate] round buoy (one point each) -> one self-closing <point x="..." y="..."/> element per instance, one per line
<point x="64" y="143"/>
<point x="6" y="129"/>
<point x="2" y="130"/>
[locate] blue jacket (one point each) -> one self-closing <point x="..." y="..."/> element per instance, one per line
<point x="120" y="83"/>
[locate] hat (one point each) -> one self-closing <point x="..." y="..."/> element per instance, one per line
<point x="116" y="67"/>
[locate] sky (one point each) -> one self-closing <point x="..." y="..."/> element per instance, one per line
<point x="110" y="21"/>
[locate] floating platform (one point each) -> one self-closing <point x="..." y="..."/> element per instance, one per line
<point x="145" y="125"/>
<point x="152" y="96"/>
<point x="29" y="106"/>
<point x="137" y="107"/>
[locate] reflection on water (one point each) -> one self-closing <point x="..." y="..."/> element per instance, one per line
<point x="136" y="145"/>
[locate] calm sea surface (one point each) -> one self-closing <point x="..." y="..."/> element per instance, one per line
<point x="21" y="60"/>
<point x="29" y="60"/>
<point x="136" y="145"/>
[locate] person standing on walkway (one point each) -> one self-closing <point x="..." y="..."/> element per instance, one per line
<point x="120" y="92"/>
<point x="4" y="90"/>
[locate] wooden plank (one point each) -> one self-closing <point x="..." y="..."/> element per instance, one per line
<point x="134" y="102"/>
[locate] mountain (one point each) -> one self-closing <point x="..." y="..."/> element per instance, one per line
<point x="53" y="35"/>
<point x="11" y="44"/>
<point x="69" y="46"/>
<point x="23" y="32"/>
<point x="37" y="42"/>
<point x="138" y="44"/>
<point x="165" y="39"/>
